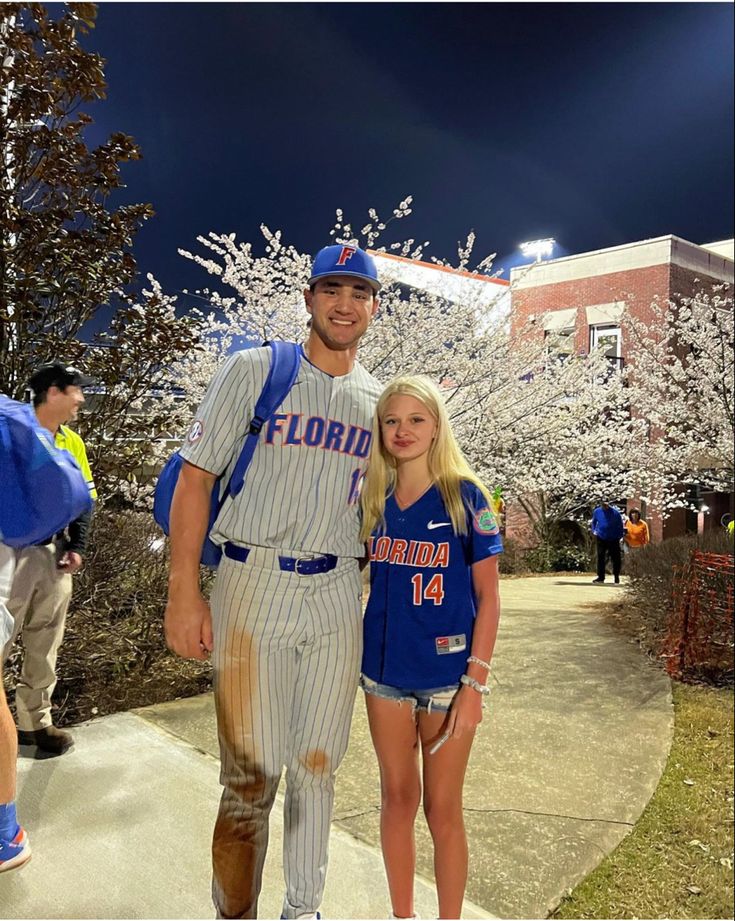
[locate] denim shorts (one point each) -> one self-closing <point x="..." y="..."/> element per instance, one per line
<point x="429" y="699"/>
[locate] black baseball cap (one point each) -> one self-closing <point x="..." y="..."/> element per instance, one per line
<point x="57" y="374"/>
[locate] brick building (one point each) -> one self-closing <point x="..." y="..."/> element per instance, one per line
<point x="576" y="302"/>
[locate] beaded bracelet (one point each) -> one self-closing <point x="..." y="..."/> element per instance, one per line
<point x="475" y="685"/>
<point x="479" y="662"/>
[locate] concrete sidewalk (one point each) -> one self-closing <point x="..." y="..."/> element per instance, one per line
<point x="121" y="828"/>
<point x="571" y="749"/>
<point x="573" y="744"/>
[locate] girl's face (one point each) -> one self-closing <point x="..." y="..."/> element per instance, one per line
<point x="407" y="428"/>
<point x="635" y="517"/>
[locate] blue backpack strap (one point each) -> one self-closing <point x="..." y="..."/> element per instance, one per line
<point x="285" y="363"/>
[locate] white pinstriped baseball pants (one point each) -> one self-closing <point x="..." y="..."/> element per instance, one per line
<point x="286" y="661"/>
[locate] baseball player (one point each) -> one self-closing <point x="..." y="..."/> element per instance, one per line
<point x="285" y="627"/>
<point x="42" y="585"/>
<point x="430" y="629"/>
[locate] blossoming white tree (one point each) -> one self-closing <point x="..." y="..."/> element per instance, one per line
<point x="552" y="434"/>
<point x="680" y="381"/>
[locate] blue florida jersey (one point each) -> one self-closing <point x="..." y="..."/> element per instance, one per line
<point x="421" y="612"/>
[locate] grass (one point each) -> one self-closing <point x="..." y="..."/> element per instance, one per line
<point x="678" y="860"/>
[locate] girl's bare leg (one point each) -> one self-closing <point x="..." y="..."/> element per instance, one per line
<point x="444" y="774"/>
<point x="395" y="737"/>
<point x="8" y="747"/>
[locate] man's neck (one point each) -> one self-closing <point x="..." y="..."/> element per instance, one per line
<point x="47" y="419"/>
<point x="332" y="361"/>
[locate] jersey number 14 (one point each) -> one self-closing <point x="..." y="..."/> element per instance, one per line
<point x="434" y="590"/>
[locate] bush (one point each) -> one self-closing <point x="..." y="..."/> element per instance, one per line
<point x="651" y="572"/>
<point x="538" y="559"/>
<point x="511" y="561"/>
<point x="570" y="558"/>
<point x="647" y="605"/>
<point x="562" y="558"/>
<point x="114" y="656"/>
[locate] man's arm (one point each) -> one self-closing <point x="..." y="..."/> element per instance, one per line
<point x="593" y="523"/>
<point x="75" y="546"/>
<point x="76" y="536"/>
<point x="188" y="620"/>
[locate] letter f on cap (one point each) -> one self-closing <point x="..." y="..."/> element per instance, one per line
<point x="347" y="253"/>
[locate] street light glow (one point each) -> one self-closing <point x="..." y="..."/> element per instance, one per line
<point x="538" y="248"/>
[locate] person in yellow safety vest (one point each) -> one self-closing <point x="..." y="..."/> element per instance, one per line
<point x="731" y="529"/>
<point x="42" y="584"/>
<point x="497" y="503"/>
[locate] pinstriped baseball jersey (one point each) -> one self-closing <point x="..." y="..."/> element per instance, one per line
<point x="301" y="489"/>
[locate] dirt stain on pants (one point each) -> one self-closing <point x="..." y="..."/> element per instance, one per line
<point x="316" y="761"/>
<point x="240" y="837"/>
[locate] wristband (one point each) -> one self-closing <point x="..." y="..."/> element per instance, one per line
<point x="479" y="662"/>
<point x="475" y="685"/>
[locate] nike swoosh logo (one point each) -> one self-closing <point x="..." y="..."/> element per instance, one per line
<point x="438" y="524"/>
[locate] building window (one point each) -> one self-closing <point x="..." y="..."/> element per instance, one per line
<point x="608" y="338"/>
<point x="559" y="344"/>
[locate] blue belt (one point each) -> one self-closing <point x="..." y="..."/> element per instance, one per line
<point x="299" y="565"/>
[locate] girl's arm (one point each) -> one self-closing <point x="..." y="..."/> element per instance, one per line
<point x="466" y="711"/>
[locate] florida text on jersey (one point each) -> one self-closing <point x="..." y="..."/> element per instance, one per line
<point x="302" y="487"/>
<point x="421" y="611"/>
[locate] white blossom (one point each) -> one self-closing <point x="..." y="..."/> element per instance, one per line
<point x="556" y="436"/>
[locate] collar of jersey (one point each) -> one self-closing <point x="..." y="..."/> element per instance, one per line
<point x="430" y="491"/>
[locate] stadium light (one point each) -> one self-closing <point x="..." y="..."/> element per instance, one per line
<point x="538" y="248"/>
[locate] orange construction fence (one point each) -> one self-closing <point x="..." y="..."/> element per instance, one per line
<point x="699" y="644"/>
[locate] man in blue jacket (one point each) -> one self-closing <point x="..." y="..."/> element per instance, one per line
<point x="607" y="526"/>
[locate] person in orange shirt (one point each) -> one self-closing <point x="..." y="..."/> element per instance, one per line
<point x="636" y="531"/>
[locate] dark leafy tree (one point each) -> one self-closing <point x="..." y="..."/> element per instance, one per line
<point x="139" y="413"/>
<point x="64" y="249"/>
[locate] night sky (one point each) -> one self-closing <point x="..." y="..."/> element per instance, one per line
<point x="597" y="124"/>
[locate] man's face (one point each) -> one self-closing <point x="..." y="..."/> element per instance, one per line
<point x="341" y="308"/>
<point x="65" y="403"/>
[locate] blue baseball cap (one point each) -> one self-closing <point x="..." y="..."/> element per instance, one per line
<point x="345" y="259"/>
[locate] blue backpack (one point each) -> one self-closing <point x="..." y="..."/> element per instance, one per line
<point x="43" y="488"/>
<point x="285" y="362"/>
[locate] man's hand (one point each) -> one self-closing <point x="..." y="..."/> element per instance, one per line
<point x="188" y="627"/>
<point x="70" y="562"/>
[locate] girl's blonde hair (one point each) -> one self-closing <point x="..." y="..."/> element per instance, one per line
<point x="447" y="465"/>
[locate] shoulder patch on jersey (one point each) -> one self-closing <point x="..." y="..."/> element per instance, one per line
<point x="195" y="432"/>
<point x="485" y="522"/>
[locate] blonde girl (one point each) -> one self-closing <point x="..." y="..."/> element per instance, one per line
<point x="429" y="630"/>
